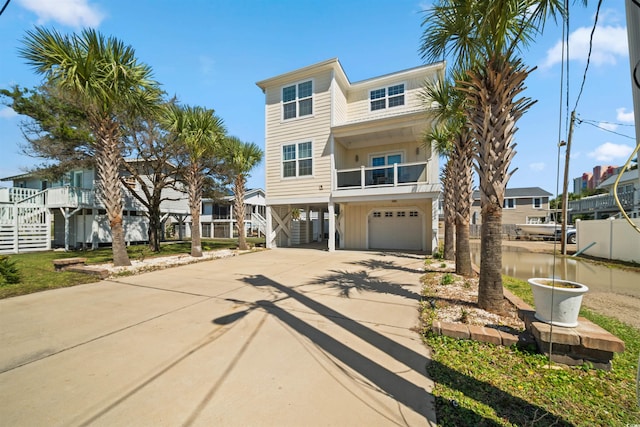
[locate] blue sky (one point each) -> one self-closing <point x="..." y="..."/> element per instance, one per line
<point x="211" y="53"/>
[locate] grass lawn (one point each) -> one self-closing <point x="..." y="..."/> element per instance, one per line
<point x="37" y="272"/>
<point x="482" y="384"/>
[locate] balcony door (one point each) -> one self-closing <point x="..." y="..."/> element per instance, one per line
<point x="384" y="175"/>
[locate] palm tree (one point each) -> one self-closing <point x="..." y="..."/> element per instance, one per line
<point x="200" y="132"/>
<point x="239" y="158"/>
<point x="441" y="138"/>
<point x="458" y="171"/>
<point x="103" y="76"/>
<point x="482" y="37"/>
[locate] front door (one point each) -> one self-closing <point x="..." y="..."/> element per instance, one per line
<point x="384" y="175"/>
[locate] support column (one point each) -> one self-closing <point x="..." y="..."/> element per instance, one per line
<point x="231" y="221"/>
<point x="309" y="226"/>
<point x="321" y="224"/>
<point x="332" y="227"/>
<point x="65" y="212"/>
<point x="269" y="229"/>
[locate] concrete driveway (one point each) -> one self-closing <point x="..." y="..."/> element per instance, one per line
<point x="287" y="337"/>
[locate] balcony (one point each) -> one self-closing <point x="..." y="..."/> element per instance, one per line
<point x="603" y="202"/>
<point x="396" y="179"/>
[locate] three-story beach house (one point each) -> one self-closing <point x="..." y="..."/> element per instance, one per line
<point x="352" y="158"/>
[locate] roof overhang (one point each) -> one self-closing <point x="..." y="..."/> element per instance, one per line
<point x="407" y="127"/>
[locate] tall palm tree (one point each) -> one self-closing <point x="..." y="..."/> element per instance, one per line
<point x="103" y="76"/>
<point x="458" y="171"/>
<point x="240" y="158"/>
<point x="200" y="132"/>
<point x="482" y="38"/>
<point x="441" y="138"/>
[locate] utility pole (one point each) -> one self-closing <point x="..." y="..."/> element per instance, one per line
<point x="565" y="188"/>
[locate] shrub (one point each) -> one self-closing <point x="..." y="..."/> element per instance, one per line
<point x="9" y="273"/>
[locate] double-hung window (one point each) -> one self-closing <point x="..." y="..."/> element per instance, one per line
<point x="387" y="97"/>
<point x="509" y="203"/>
<point x="297" y="100"/>
<point x="537" y="202"/>
<point x="297" y="160"/>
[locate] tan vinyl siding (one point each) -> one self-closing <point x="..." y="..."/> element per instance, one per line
<point x="358" y="97"/>
<point x="356" y="220"/>
<point x="314" y="128"/>
<point x="340" y="107"/>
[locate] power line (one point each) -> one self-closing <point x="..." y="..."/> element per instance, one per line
<point x="605" y="129"/>
<point x="584" y="76"/>
<point x="608" y="123"/>
<point x="5" y="6"/>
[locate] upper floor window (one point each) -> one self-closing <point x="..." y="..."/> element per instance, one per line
<point x="297" y="100"/>
<point x="509" y="203"/>
<point x="387" y="97"/>
<point x="297" y="160"/>
<point x="537" y="202"/>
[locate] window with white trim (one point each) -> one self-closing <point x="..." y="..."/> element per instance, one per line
<point x="297" y="160"/>
<point x="387" y="97"/>
<point x="537" y="202"/>
<point x="509" y="204"/>
<point x="297" y="100"/>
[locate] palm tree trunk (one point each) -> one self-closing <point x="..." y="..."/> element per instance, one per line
<point x="448" y="207"/>
<point x="194" y="180"/>
<point x="490" y="293"/>
<point x="463" y="167"/>
<point x="493" y="112"/>
<point x="108" y="160"/>
<point x="240" y="211"/>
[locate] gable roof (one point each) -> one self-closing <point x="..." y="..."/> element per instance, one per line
<point x="522" y="192"/>
<point x="627" y="176"/>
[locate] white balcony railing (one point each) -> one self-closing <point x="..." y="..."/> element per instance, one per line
<point x="381" y="176"/>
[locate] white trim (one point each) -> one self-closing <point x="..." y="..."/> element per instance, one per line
<point x="504" y="203"/>
<point x="297" y="100"/>
<point x="297" y="159"/>
<point x="402" y="153"/>
<point x="299" y="201"/>
<point x="386" y="97"/>
<point x="533" y="203"/>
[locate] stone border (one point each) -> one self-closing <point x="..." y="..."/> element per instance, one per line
<point x="586" y="343"/>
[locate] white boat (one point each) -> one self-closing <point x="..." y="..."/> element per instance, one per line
<point x="542" y="229"/>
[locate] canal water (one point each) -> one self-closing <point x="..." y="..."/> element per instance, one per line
<point x="519" y="263"/>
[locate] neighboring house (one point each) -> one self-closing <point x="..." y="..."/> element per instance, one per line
<point x="527" y="205"/>
<point x="71" y="206"/>
<point x="218" y="218"/>
<point x="352" y="156"/>
<point x="603" y="206"/>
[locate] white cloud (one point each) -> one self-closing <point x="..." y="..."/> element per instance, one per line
<point x="609" y="44"/>
<point x="609" y="151"/>
<point x="74" y="13"/>
<point x="7" y="113"/>
<point x="608" y="126"/>
<point x="537" y="167"/>
<point x="624" y="116"/>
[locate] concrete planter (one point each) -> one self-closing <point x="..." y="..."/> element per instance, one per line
<point x="566" y="300"/>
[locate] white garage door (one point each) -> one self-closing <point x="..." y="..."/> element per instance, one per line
<point x="395" y="229"/>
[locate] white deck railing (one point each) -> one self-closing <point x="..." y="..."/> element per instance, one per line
<point x="381" y="176"/>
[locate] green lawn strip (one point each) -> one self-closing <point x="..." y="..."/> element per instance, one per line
<point x="38" y="274"/>
<point x="484" y="384"/>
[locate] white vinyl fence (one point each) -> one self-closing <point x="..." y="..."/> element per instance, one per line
<point x="609" y="239"/>
<point x="25" y="226"/>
